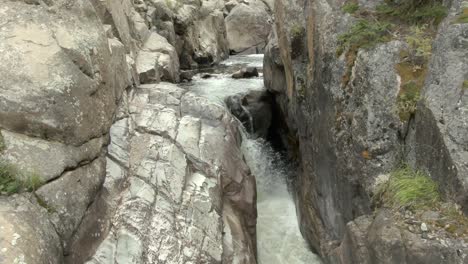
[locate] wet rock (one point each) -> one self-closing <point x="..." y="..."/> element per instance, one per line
<point x="247" y="72"/>
<point x="254" y="110"/>
<point x="187" y="75"/>
<point x="206" y="76"/>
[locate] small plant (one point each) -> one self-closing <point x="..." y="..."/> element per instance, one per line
<point x="13" y="180"/>
<point x="297" y="31"/>
<point x="350" y="7"/>
<point x="407" y="100"/>
<point x="44" y="204"/>
<point x="420" y="44"/>
<point x="363" y="34"/>
<point x="32" y="182"/>
<point x="465" y="85"/>
<point x="409" y="188"/>
<point x="412" y="70"/>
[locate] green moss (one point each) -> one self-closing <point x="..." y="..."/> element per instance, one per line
<point x="414" y="11"/>
<point x="409" y="188"/>
<point x="44" y="204"/>
<point x="350" y="7"/>
<point x="363" y="34"/>
<point x="12" y="180"/>
<point x="297" y="31"/>
<point x="465" y="84"/>
<point x="2" y="143"/>
<point x="463" y="17"/>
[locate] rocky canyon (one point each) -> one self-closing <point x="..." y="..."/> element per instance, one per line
<point x="234" y="131"/>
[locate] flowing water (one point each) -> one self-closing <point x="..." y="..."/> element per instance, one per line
<point x="279" y="240"/>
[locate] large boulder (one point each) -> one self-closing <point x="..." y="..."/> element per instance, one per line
<point x="188" y="196"/>
<point x="248" y="26"/>
<point x="55" y="77"/>
<point x="247" y="72"/>
<point x="254" y="110"/>
<point x="27" y="234"/>
<point x="157" y="60"/>
<point x="196" y="29"/>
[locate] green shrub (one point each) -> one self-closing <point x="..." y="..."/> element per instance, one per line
<point x="414" y="11"/>
<point x="350" y="7"/>
<point x="12" y="180"/>
<point x="363" y="34"/>
<point x="409" y="188"/>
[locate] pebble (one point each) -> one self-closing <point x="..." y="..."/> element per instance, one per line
<point x="424" y="227"/>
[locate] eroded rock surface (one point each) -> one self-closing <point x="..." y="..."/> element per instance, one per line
<point x="344" y="127"/>
<point x="189" y="195"/>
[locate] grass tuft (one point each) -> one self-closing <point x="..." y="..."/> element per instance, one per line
<point x="350" y="7"/>
<point x="12" y="180"/>
<point x="409" y="188"/>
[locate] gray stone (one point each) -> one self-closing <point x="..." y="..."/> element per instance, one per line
<point x="173" y="206"/>
<point x="55" y="85"/>
<point x="27" y="235"/>
<point x="248" y="26"/>
<point x="157" y="60"/>
<point x="69" y="196"/>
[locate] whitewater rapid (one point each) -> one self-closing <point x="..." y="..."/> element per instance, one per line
<point x="279" y="240"/>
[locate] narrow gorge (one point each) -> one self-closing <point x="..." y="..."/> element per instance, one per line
<point x="234" y="131"/>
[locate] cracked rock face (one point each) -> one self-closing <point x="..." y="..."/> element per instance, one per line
<point x="342" y="116"/>
<point x="189" y="196"/>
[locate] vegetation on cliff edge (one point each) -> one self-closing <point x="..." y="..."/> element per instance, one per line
<point x="13" y="180"/>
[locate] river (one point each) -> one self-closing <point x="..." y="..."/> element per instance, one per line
<point x="279" y="240"/>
